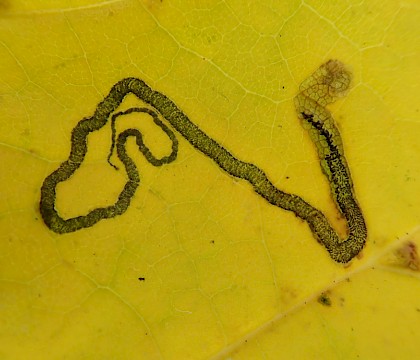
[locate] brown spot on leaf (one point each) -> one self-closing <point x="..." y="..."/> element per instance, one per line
<point x="324" y="299"/>
<point x="409" y="256"/>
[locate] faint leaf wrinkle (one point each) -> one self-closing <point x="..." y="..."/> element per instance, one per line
<point x="95" y="5"/>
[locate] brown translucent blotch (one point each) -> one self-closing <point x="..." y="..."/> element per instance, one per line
<point x="408" y="256"/>
<point x="404" y="256"/>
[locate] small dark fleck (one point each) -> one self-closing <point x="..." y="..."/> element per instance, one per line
<point x="324" y="299"/>
<point x="212" y="242"/>
<point x="142" y="278"/>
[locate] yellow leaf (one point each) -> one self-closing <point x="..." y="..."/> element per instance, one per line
<point x="199" y="265"/>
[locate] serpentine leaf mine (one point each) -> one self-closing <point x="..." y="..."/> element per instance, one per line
<point x="328" y="83"/>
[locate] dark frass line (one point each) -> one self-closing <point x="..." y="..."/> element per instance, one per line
<point x="329" y="82"/>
